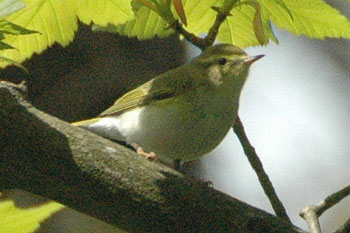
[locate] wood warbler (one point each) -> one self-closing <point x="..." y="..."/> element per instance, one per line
<point x="184" y="113"/>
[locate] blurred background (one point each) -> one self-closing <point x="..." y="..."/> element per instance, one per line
<point x="295" y="108"/>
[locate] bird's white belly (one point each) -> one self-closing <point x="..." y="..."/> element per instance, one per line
<point x="172" y="132"/>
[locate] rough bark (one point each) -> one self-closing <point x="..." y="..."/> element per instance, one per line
<point x="49" y="157"/>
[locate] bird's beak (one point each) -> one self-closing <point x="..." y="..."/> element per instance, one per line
<point x="252" y="59"/>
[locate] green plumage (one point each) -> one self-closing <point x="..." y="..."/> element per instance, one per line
<point x="184" y="113"/>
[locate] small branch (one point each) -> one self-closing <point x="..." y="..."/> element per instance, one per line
<point x="197" y="41"/>
<point x="332" y="200"/>
<point x="311" y="213"/>
<point x="220" y="18"/>
<point x="259" y="170"/>
<point x="310" y="216"/>
<point x="222" y="13"/>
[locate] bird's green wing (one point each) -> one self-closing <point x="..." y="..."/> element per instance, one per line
<point x="144" y="94"/>
<point x="168" y="85"/>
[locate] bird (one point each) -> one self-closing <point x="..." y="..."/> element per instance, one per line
<point x="184" y="113"/>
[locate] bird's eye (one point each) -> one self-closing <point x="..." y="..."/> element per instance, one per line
<point x="222" y="61"/>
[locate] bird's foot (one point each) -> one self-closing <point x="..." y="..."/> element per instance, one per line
<point x="140" y="151"/>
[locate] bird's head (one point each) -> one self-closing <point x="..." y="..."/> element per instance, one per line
<point x="225" y="62"/>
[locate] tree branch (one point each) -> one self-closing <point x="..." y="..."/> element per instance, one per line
<point x="259" y="170"/>
<point x="331" y="200"/>
<point x="310" y="216"/>
<point x="46" y="156"/>
<point x="197" y="41"/>
<point x="311" y="213"/>
<point x="221" y="16"/>
<point x="203" y="43"/>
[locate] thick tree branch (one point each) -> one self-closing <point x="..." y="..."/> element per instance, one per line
<point x="49" y="157"/>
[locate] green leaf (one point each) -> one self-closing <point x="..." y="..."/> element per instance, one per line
<point x="145" y="3"/>
<point x="12" y="62"/>
<point x="103" y="12"/>
<point x="54" y="19"/>
<point x="313" y="18"/>
<point x="283" y="5"/>
<point x="258" y="26"/>
<point x="24" y="220"/>
<point x="238" y="29"/>
<point x="5" y="46"/>
<point x="149" y="24"/>
<point x="14" y="29"/>
<point x="8" y="7"/>
<point x="200" y="15"/>
<point x="146" y="25"/>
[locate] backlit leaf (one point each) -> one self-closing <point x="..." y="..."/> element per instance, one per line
<point x="24" y="220"/>
<point x="313" y="18"/>
<point x="103" y="12"/>
<point x="54" y="19"/>
<point x="8" y="7"/>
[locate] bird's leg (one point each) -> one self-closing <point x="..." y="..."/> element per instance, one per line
<point x="140" y="151"/>
<point x="177" y="164"/>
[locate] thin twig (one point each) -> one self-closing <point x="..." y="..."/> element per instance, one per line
<point x="259" y="170"/>
<point x="311" y="213"/>
<point x="220" y="18"/>
<point x="331" y="200"/>
<point x="203" y="43"/>
<point x="197" y="41"/>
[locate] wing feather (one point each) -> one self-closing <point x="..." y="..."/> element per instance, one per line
<point x="168" y="85"/>
<point x="140" y="96"/>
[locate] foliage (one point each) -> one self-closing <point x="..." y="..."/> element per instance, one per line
<point x="249" y="23"/>
<point x="8" y="7"/>
<point x="22" y="220"/>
